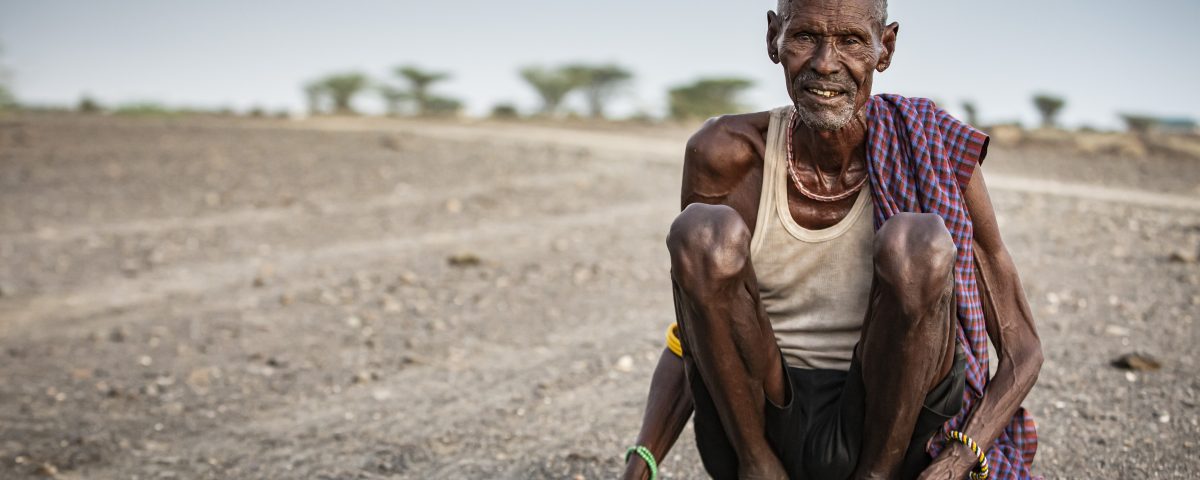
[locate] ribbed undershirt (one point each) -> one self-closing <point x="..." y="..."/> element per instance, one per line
<point x="814" y="284"/>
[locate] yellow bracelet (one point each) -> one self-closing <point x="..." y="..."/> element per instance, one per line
<point x="673" y="343"/>
<point x="962" y="438"/>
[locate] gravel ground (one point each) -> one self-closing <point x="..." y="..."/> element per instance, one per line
<point x="215" y="298"/>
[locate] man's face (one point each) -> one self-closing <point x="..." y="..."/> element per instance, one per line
<point x="829" y="50"/>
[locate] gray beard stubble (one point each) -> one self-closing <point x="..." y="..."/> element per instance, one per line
<point x="823" y="119"/>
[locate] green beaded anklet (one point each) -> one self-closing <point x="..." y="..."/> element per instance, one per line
<point x="647" y="456"/>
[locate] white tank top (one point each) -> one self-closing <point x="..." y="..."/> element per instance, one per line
<point x="814" y="284"/>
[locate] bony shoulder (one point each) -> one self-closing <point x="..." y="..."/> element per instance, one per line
<point x="728" y="140"/>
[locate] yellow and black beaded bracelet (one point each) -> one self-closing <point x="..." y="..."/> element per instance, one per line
<point x="982" y="473"/>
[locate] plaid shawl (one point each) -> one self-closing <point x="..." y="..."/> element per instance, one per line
<point x="920" y="159"/>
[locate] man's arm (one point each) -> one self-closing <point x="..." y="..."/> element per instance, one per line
<point x="668" y="409"/>
<point x="1011" y="328"/>
<point x="716" y="161"/>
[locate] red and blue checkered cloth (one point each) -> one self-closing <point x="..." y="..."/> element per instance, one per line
<point x="920" y="159"/>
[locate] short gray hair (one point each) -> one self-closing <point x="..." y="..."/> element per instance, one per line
<point x="880" y="10"/>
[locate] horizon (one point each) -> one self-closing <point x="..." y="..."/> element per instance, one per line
<point x="228" y="55"/>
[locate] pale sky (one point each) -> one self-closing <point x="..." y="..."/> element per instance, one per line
<point x="1104" y="56"/>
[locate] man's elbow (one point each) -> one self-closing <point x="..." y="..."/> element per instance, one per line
<point x="1031" y="359"/>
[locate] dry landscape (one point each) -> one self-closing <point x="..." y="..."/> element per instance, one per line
<point x="336" y="298"/>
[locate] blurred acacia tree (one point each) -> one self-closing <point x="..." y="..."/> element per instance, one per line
<point x="1048" y="107"/>
<point x="505" y="111"/>
<point x="419" y="82"/>
<point x="1139" y="124"/>
<point x="7" y="99"/>
<point x="599" y="84"/>
<point x="313" y="93"/>
<point x="393" y="99"/>
<point x="342" y="88"/>
<point x="972" y="113"/>
<point x="551" y="84"/>
<point x="707" y="97"/>
<point x="87" y="104"/>
<point x="436" y="105"/>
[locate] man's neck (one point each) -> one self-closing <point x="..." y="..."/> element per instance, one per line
<point x="831" y="151"/>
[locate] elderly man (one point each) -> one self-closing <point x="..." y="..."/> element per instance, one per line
<point x="838" y="272"/>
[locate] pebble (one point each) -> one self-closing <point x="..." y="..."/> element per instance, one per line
<point x="464" y="259"/>
<point x="1137" y="361"/>
<point x="1184" y="256"/>
<point x="625" y="364"/>
<point x="1116" y="331"/>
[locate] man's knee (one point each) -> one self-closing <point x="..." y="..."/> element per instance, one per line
<point x="708" y="244"/>
<point x="914" y="255"/>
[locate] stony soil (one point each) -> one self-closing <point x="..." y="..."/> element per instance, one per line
<point x="214" y="298"/>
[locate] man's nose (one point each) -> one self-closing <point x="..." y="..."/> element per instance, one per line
<point x="825" y="60"/>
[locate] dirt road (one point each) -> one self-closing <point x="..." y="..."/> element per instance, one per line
<point x="214" y="298"/>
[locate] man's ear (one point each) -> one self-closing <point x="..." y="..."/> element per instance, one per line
<point x="888" y="39"/>
<point x="772" y="32"/>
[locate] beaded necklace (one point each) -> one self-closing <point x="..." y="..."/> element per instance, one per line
<point x="796" y="177"/>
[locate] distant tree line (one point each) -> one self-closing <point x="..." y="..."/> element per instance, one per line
<point x="597" y="85"/>
<point x="335" y="93"/>
<point x="410" y="90"/>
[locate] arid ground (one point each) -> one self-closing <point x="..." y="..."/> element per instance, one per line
<point x="332" y="298"/>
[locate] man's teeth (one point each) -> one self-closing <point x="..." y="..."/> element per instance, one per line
<point x="824" y="93"/>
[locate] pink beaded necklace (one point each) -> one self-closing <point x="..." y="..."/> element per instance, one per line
<point x="796" y="177"/>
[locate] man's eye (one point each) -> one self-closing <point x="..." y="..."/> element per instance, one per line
<point x="851" y="41"/>
<point x="804" y="37"/>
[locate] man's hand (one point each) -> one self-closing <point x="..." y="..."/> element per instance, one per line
<point x="952" y="464"/>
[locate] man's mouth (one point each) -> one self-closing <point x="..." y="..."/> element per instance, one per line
<point x="824" y="93"/>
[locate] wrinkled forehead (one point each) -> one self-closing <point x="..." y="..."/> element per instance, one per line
<point x="832" y="15"/>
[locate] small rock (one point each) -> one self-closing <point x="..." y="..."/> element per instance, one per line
<point x="265" y="272"/>
<point x="200" y="380"/>
<point x="1164" y="418"/>
<point x="582" y="275"/>
<point x="1053" y="298"/>
<point x="1184" y="256"/>
<point x="46" y="469"/>
<point x="454" y="205"/>
<point x="408" y="278"/>
<point x="1116" y="331"/>
<point x="625" y="364"/>
<point x="117" y="335"/>
<point x="465" y="259"/>
<point x="1137" y="361"/>
<point x="145" y="360"/>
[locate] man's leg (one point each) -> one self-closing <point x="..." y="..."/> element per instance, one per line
<point x="907" y="344"/>
<point x="727" y="338"/>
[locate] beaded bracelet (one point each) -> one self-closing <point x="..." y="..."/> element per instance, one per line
<point x="962" y="438"/>
<point x="673" y="340"/>
<point x="647" y="456"/>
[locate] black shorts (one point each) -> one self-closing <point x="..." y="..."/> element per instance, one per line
<point x="818" y="432"/>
